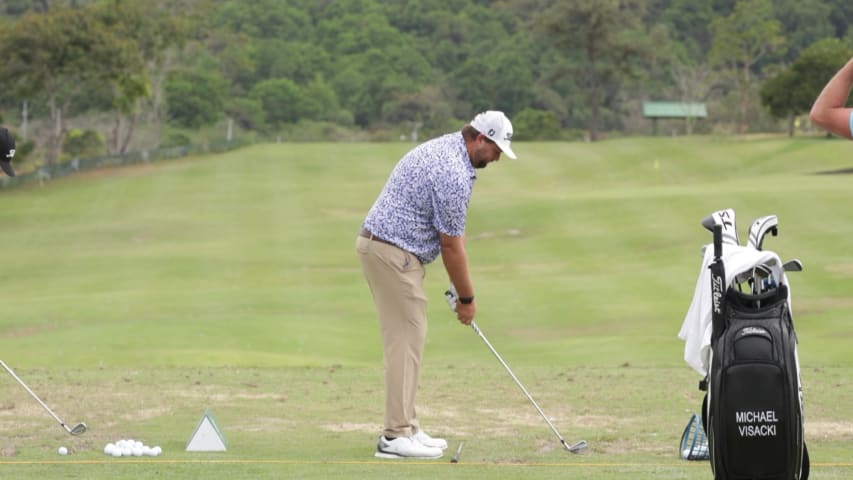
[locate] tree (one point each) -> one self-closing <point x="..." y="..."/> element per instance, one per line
<point x="298" y="61"/>
<point x="151" y="32"/>
<point x="195" y="98"/>
<point x="280" y="99"/>
<point x="366" y="82"/>
<point x="426" y="111"/>
<point x="248" y="113"/>
<point x="804" y="22"/>
<point x="690" y="22"/>
<point x="58" y="53"/>
<point x="603" y="38"/>
<point x="375" y="61"/>
<point x="694" y="84"/>
<point x="741" y="40"/>
<point x="531" y="124"/>
<point x="778" y="95"/>
<point x="86" y="144"/>
<point x="792" y="91"/>
<point x="501" y="79"/>
<point x="841" y="16"/>
<point x="317" y="100"/>
<point x="264" y="19"/>
<point x="235" y="57"/>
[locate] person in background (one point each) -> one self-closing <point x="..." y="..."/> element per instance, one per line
<point x="419" y="214"/>
<point x="828" y="110"/>
<point x="7" y="151"/>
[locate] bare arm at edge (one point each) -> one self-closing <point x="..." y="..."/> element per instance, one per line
<point x="828" y="110"/>
<point x="456" y="263"/>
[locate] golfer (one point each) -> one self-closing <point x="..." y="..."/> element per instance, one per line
<point x="828" y="110"/>
<point x="7" y="152"/>
<point x="420" y="214"/>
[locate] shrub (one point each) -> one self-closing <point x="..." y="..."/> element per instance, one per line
<point x="531" y="124"/>
<point x="83" y="144"/>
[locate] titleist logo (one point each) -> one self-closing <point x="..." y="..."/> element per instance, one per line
<point x="717" y="287"/>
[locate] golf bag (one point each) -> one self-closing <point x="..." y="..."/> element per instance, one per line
<point x="752" y="411"/>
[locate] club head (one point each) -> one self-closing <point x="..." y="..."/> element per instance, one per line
<point x="794" y="265"/>
<point x="455" y="458"/>
<point x="78" y="429"/>
<point x="578" y="447"/>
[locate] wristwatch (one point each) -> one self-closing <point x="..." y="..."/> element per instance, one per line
<point x="466" y="300"/>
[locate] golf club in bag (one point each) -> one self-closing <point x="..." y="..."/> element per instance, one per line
<point x="760" y="228"/>
<point x="451" y="296"/>
<point x="78" y="429"/>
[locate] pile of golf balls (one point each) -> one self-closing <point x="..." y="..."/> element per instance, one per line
<point x="131" y="448"/>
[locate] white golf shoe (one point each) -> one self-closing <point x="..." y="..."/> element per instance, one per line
<point x="427" y="441"/>
<point x="405" y="447"/>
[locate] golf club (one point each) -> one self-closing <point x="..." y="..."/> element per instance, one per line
<point x="78" y="429"/>
<point x="794" y="265"/>
<point x="726" y="220"/>
<point x="718" y="285"/>
<point x="760" y="228"/>
<point x="574" y="448"/>
<point x="450" y="296"/>
<point x="455" y="458"/>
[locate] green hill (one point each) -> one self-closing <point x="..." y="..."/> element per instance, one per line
<point x="133" y="298"/>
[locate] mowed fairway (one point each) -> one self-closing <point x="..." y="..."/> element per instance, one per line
<point x="134" y="298"/>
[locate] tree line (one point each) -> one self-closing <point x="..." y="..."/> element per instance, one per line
<point x="559" y="68"/>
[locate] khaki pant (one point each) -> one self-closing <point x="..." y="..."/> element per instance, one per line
<point x="396" y="279"/>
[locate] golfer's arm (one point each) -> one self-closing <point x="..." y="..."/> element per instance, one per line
<point x="456" y="263"/>
<point x="828" y="110"/>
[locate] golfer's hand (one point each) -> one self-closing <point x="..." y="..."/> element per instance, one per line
<point x="465" y="313"/>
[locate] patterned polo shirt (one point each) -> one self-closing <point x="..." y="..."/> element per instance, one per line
<point x="427" y="193"/>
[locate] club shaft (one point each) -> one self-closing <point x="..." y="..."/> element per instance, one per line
<point x="458" y="451"/>
<point x="517" y="382"/>
<point x="15" y="376"/>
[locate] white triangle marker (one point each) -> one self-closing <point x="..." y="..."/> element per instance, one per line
<point x="206" y="437"/>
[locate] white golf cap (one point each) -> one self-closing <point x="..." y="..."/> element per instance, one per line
<point x="497" y="128"/>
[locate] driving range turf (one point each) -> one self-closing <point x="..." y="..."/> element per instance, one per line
<point x="135" y="298"/>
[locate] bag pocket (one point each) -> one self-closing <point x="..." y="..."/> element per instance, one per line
<point x="755" y="429"/>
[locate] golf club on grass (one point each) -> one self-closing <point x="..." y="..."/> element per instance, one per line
<point x="576" y="447"/>
<point x="78" y="429"/>
<point x="450" y="296"/>
<point x="455" y="458"/>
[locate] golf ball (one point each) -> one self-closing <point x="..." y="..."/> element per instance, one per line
<point x="63" y="451"/>
<point x="128" y="447"/>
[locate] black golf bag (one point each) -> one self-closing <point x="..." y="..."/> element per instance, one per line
<point x="752" y="412"/>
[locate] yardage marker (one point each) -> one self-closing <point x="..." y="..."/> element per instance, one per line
<point x="376" y="462"/>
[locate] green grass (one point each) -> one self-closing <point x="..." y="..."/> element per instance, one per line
<point x="134" y="298"/>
